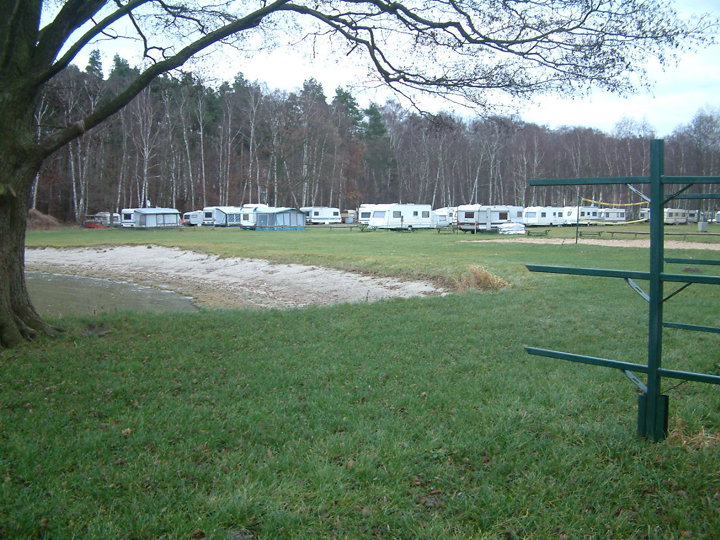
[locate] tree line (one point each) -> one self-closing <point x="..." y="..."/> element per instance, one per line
<point x="184" y="144"/>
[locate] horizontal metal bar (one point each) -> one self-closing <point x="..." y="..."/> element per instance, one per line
<point x="693" y="261"/>
<point x="588" y="181"/>
<point x="600" y="272"/>
<point x="625" y="274"/>
<point x="699" y="196"/>
<point x="592" y="360"/>
<point x="691" y="179"/>
<point x="694" y="327"/>
<point x="688" y="376"/>
<point x="624" y="366"/>
<point x="683" y="278"/>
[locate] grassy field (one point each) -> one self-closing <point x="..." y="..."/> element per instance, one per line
<point x="419" y="418"/>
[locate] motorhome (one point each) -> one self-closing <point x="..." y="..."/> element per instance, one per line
<point x="400" y="216"/>
<point x="322" y="215"/>
<point x="543" y="215"/>
<point x="676" y="216"/>
<point x="583" y="215"/>
<point x="150" y="218"/>
<point x="477" y="217"/>
<point x="193" y="219"/>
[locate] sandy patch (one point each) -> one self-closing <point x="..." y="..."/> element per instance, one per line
<point x="224" y="282"/>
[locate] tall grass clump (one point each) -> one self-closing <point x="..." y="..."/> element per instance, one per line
<point x="478" y="277"/>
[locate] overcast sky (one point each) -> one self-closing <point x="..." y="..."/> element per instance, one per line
<point x="675" y="98"/>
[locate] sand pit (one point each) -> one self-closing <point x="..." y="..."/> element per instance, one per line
<point x="216" y="282"/>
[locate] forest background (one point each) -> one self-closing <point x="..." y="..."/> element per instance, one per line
<point x="186" y="144"/>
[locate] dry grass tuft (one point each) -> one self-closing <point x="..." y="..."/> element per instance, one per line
<point x="696" y="441"/>
<point x="479" y="278"/>
<point x="37" y="221"/>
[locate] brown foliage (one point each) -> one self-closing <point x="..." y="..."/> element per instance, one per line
<point x="479" y="278"/>
<point x="37" y="221"/>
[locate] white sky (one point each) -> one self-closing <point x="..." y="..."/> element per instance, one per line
<point x="675" y="98"/>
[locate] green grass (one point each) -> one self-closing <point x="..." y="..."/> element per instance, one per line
<point x="419" y="418"/>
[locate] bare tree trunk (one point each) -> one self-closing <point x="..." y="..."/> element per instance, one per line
<point x="18" y="319"/>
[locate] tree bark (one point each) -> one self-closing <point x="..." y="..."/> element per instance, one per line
<point x="18" y="319"/>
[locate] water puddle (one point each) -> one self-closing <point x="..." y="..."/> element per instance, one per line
<point x="57" y="295"/>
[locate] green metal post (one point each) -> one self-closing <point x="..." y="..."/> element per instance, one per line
<point x="652" y="406"/>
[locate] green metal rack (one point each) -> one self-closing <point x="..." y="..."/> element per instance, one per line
<point x="652" y="404"/>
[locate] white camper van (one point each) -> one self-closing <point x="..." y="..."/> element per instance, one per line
<point x="543" y="215"/>
<point x="322" y="215"/>
<point x="402" y="217"/>
<point x="478" y="217"/>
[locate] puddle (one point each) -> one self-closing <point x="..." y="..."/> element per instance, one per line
<point x="57" y="295"/>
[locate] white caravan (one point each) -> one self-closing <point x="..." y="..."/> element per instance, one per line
<point x="402" y="216"/>
<point x="365" y="211"/>
<point x="693" y="216"/>
<point x="676" y="216"/>
<point x="543" y="215"/>
<point x="322" y="215"/>
<point x="612" y="215"/>
<point x="478" y="217"/>
<point x="644" y="214"/>
<point x="446" y="217"/>
<point x="150" y="218"/>
<point x="221" y="216"/>
<point x="585" y="215"/>
<point x="193" y="219"/>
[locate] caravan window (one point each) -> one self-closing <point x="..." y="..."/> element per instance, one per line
<point x="316" y="213"/>
<point x="469" y="215"/>
<point x="503" y="216"/>
<point x="415" y="214"/>
<point x="426" y="214"/>
<point x="365" y="215"/>
<point x="379" y="214"/>
<point x="127" y="217"/>
<point x="397" y="214"/>
<point x="531" y="214"/>
<point x="208" y="215"/>
<point x="336" y="213"/>
<point x="543" y="214"/>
